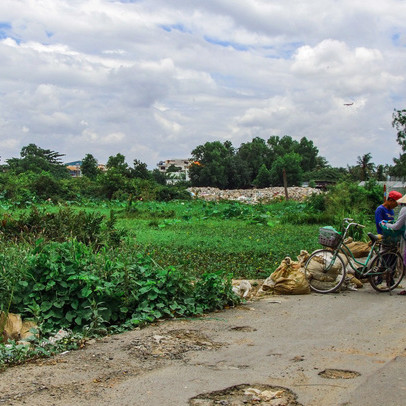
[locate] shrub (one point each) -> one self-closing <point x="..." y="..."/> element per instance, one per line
<point x="68" y="282"/>
<point x="88" y="227"/>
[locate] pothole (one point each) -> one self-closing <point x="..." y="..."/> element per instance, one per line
<point x="339" y="374"/>
<point x="245" y="329"/>
<point x="171" y="345"/>
<point x="247" y="395"/>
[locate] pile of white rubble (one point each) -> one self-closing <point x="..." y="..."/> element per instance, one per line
<point x="252" y="196"/>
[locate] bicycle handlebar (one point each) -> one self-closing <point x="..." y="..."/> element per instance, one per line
<point x="350" y="223"/>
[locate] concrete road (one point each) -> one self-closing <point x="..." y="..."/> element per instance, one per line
<point x="288" y="341"/>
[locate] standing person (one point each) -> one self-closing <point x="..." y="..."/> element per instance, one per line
<point x="385" y="211"/>
<point x="400" y="222"/>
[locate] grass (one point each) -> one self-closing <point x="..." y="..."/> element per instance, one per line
<point x="199" y="237"/>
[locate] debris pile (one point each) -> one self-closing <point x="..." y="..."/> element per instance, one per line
<point x="252" y="196"/>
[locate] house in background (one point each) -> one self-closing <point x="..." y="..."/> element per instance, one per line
<point x="74" y="168"/>
<point x="175" y="169"/>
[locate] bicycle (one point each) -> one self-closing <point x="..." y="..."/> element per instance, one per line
<point x="326" y="269"/>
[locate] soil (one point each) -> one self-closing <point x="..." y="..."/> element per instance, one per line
<point x="275" y="351"/>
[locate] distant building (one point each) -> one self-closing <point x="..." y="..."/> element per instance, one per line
<point x="74" y="168"/>
<point x="181" y="167"/>
<point x="75" y="171"/>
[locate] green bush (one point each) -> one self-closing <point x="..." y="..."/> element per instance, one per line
<point x="68" y="282"/>
<point x="65" y="224"/>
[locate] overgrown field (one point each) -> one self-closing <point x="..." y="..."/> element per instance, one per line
<point x="198" y="237"/>
<point x="104" y="267"/>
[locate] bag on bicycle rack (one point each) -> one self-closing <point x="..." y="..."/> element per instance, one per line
<point x="329" y="237"/>
<point x="390" y="236"/>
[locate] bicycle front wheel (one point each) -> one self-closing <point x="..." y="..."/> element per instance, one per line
<point x="388" y="269"/>
<point x="324" y="271"/>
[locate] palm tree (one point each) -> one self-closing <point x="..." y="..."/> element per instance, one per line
<point x="366" y="167"/>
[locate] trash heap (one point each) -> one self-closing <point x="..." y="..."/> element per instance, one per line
<point x="252" y="196"/>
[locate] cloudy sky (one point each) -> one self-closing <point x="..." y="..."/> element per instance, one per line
<point x="153" y="79"/>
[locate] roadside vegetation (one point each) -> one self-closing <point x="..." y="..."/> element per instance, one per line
<point x="113" y="250"/>
<point x="94" y="269"/>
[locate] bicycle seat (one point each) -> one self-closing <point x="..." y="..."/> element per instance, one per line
<point x="374" y="238"/>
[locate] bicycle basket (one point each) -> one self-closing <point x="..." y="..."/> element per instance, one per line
<point x="390" y="236"/>
<point x="329" y="237"/>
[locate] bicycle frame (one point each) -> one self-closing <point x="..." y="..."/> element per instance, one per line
<point x="383" y="266"/>
<point x="362" y="270"/>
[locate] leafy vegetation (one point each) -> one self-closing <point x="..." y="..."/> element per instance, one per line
<point x="117" y="249"/>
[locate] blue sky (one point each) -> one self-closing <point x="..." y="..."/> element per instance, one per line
<point x="154" y="79"/>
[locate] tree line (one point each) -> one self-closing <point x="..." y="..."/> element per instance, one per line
<point x="41" y="174"/>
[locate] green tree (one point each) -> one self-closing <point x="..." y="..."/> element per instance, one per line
<point x="329" y="174"/>
<point x="209" y="168"/>
<point x="158" y="176"/>
<point x="117" y="162"/>
<point x="281" y="146"/>
<point x="399" y="123"/>
<point x="237" y="172"/>
<point x="366" y="167"/>
<point x="36" y="159"/>
<point x="89" y="166"/>
<point x="172" y="168"/>
<point x="381" y="172"/>
<point x="255" y="154"/>
<point x="140" y="170"/>
<point x="263" y="178"/>
<point x="308" y="152"/>
<point x="113" y="184"/>
<point x="291" y="163"/>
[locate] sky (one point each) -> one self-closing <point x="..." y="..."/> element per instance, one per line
<point x="153" y="79"/>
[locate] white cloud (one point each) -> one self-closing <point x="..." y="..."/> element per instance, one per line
<point x="153" y="80"/>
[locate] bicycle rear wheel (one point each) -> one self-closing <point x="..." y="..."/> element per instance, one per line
<point x="324" y="272"/>
<point x="390" y="271"/>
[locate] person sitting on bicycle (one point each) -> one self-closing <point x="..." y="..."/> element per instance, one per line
<point x="385" y="211"/>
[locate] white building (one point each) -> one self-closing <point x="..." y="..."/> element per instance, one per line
<point x="182" y="166"/>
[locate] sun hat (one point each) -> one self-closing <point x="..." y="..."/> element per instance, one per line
<point x="394" y="195"/>
<point x="402" y="200"/>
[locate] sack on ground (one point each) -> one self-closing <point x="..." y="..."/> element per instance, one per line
<point x="359" y="248"/>
<point x="10" y="326"/>
<point x="317" y="265"/>
<point x="287" y="279"/>
<point x="28" y="330"/>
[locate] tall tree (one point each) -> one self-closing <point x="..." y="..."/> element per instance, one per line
<point x="366" y="167"/>
<point x="209" y="167"/>
<point x="89" y="166"/>
<point x="36" y="159"/>
<point x="117" y="163"/>
<point x="308" y="153"/>
<point x="291" y="163"/>
<point x="140" y="170"/>
<point x="255" y="154"/>
<point x="263" y="178"/>
<point x="399" y="123"/>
